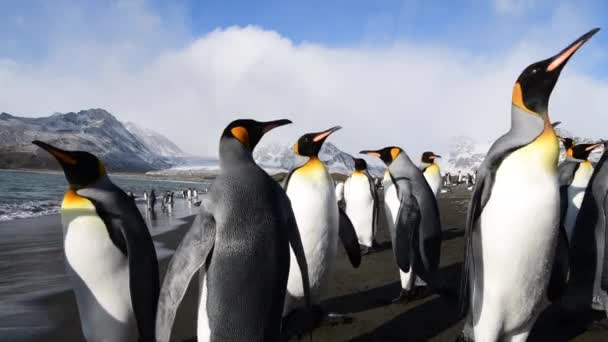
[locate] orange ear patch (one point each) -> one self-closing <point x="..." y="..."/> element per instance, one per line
<point x="395" y="152"/>
<point x="518" y="97"/>
<point x="241" y="134"/>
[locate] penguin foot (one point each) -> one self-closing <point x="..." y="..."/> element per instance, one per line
<point x="406" y="296"/>
<point x="334" y="319"/>
<point x="463" y="338"/>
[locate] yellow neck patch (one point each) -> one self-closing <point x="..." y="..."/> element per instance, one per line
<point x="71" y="200"/>
<point x="312" y="166"/>
<point x="395" y="152"/>
<point x="544" y="149"/>
<point x="518" y="98"/>
<point x="358" y="172"/>
<point x="433" y="168"/>
<point x="241" y="134"/>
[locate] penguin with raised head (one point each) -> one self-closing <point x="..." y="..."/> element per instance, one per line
<point x="416" y="228"/>
<point x="431" y="171"/>
<point x="240" y="242"/>
<point x="320" y="221"/>
<point x="512" y="224"/>
<point x="110" y="258"/>
<point x="574" y="175"/>
<point x="362" y="204"/>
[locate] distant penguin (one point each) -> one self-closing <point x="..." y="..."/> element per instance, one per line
<point x="362" y="204"/>
<point x="416" y="231"/>
<point x="431" y="171"/>
<point x="512" y="227"/>
<point x="109" y="253"/>
<point x="240" y="242"/>
<point x="574" y="175"/>
<point x="589" y="269"/>
<point x="320" y="221"/>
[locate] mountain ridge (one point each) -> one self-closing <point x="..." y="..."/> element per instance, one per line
<point x="94" y="130"/>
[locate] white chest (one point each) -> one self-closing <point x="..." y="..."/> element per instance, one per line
<point x="517" y="231"/>
<point x="99" y="275"/>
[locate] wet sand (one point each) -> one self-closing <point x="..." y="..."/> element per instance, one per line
<point x="363" y="293"/>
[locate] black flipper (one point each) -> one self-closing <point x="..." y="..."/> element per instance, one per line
<point x="121" y="216"/>
<point x="408" y="221"/>
<point x="349" y="239"/>
<point x="561" y="267"/>
<point x="376" y="207"/>
<point x="189" y="257"/>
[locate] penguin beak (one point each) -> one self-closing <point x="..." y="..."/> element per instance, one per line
<point x="270" y="125"/>
<point x="435" y="156"/>
<point x="371" y="153"/>
<point x="64" y="157"/>
<point x="593" y="147"/>
<point x="556" y="123"/>
<point x="320" y="137"/>
<point x="559" y="60"/>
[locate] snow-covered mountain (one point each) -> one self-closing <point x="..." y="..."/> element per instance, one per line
<point x="93" y="130"/>
<point x="282" y="157"/>
<point x="154" y="141"/>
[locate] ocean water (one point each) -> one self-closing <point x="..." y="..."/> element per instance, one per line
<point x="30" y="193"/>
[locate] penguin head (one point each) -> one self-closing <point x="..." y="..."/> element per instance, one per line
<point x="310" y="144"/>
<point x="387" y="154"/>
<point x="582" y="151"/>
<point x="81" y="168"/>
<point x="535" y="84"/>
<point x="360" y="164"/>
<point x="249" y="132"/>
<point x="568" y="143"/>
<point x="429" y="157"/>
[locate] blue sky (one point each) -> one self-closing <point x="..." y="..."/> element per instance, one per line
<point x="124" y="54"/>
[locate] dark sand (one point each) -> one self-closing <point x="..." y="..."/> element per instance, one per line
<point x="363" y="293"/>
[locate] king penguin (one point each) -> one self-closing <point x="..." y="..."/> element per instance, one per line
<point x="574" y="175"/>
<point x="513" y="218"/>
<point x="431" y="171"/>
<point x="416" y="228"/>
<point x="240" y="242"/>
<point x="320" y="221"/>
<point x="588" y="284"/>
<point x="362" y="204"/>
<point x="110" y="256"/>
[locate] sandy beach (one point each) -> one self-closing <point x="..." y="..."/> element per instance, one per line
<point x="37" y="304"/>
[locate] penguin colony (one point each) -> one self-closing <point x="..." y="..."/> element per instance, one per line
<point x="264" y="253"/>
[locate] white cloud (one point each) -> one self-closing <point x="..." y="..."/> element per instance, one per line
<point x="514" y="6"/>
<point x="403" y="94"/>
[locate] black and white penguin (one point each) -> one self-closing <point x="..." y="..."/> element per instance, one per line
<point x="320" y="221"/>
<point x="416" y="228"/>
<point x="240" y="242"/>
<point x="430" y="170"/>
<point x="509" y="257"/>
<point x="109" y="253"/>
<point x="362" y="204"/>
